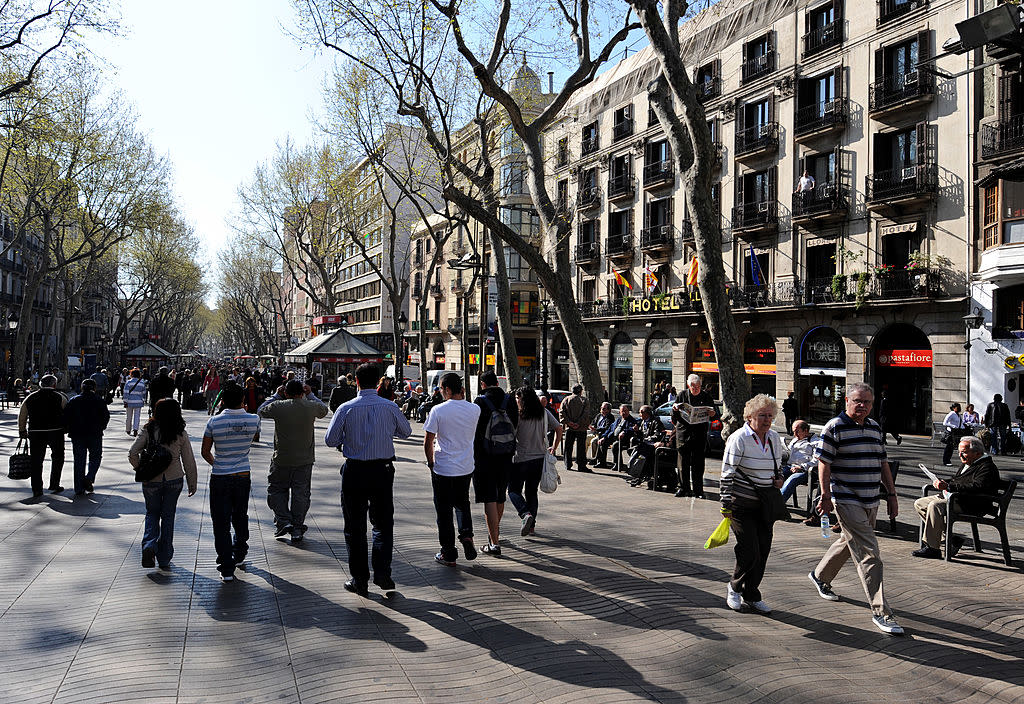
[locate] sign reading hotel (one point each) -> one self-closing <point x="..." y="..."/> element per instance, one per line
<point x="904" y="358"/>
<point x="654" y="305"/>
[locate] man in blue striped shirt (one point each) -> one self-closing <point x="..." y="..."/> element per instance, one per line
<point x="364" y="430"/>
<point x="851" y="466"/>
<point x="230" y="433"/>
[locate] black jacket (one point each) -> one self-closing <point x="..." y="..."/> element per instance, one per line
<point x="997" y="415"/>
<point x="982" y="477"/>
<point x="161" y="387"/>
<point x="86" y="415"/>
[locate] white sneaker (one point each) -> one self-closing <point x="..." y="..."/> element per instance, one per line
<point x="733" y="599"/>
<point x="760" y="607"/>
<point x="887" y="624"/>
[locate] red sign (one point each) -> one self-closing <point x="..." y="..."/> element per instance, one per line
<point x="327" y="320"/>
<point x="904" y="358"/>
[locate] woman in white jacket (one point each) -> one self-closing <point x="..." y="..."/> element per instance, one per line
<point x="134" y="398"/>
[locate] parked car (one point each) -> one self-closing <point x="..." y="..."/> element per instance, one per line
<point x="715" y="443"/>
<point x="555" y="397"/>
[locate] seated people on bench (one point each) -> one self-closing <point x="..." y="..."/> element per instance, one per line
<point x="978" y="475"/>
<point x="621" y="430"/>
<point x="599" y="428"/>
<point x="650" y="435"/>
<point x="801" y="458"/>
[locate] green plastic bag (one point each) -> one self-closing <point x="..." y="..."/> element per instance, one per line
<point x="720" y="536"/>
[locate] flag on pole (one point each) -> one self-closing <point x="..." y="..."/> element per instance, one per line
<point x="756" y="275"/>
<point x="691" y="276"/>
<point x="622" y="281"/>
<point x="650" y="280"/>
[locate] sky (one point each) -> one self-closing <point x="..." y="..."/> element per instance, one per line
<point x="216" y="84"/>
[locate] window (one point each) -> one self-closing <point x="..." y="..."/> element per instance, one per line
<point x="589" y="140"/>
<point x="755" y="269"/>
<point x="589" y="290"/>
<point x="588" y="231"/>
<point x="513" y="179"/>
<point x="563" y="152"/>
<point x="758" y="57"/>
<point x="897" y="78"/>
<point x="562" y="195"/>
<point x="756" y="129"/>
<point x="511" y="145"/>
<point x="990" y="222"/>
<point x="620" y="223"/>
<point x="1009" y="309"/>
<point x="622" y="126"/>
<point x="707" y="81"/>
<point x="523" y="306"/>
<point x="518" y="270"/>
<point x="891" y="9"/>
<point x="658" y="213"/>
<point x="756" y="187"/>
<point x="824" y="27"/>
<point x="1013" y="211"/>
<point x="658" y="152"/>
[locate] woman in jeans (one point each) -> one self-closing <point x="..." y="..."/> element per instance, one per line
<point x="528" y="461"/>
<point x="166" y="427"/>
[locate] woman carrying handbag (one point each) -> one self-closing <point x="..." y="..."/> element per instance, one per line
<point x="528" y="461"/>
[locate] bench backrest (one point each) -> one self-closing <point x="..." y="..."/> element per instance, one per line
<point x="1006" y="489"/>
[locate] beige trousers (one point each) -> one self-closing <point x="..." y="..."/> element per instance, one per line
<point x="932" y="510"/>
<point x="858" y="540"/>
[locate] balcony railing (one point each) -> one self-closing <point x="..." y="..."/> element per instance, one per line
<point x="686" y="232"/>
<point x="759" y="66"/>
<point x="898" y="184"/>
<point x="588" y="197"/>
<point x="417" y="292"/>
<point x="621" y="186"/>
<point x="622" y="129"/>
<point x="824" y="199"/>
<point x="750" y="216"/>
<point x="587" y="252"/>
<point x="822" y="38"/>
<point x="657" y="238"/>
<point x="759" y="138"/>
<point x="820" y="116"/>
<point x="424" y="324"/>
<point x="776" y="293"/>
<point x="708" y="88"/>
<point x="620" y="245"/>
<point x="891" y="9"/>
<point x="895" y="285"/>
<point x="1002" y="137"/>
<point x="659" y="172"/>
<point x="893" y="91"/>
<point x="436" y="291"/>
<point x="589" y="146"/>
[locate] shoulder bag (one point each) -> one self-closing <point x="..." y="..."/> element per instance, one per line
<point x="19" y="465"/>
<point x="153" y="460"/>
<point x="773" y="506"/>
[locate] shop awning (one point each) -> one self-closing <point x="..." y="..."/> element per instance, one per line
<point x="334" y="346"/>
<point x="149" y="350"/>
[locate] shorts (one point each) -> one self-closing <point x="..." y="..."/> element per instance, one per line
<point x="490" y="478"/>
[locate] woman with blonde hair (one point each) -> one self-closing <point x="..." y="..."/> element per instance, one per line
<point x="750" y="464"/>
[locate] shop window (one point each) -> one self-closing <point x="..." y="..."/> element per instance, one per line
<point x="523" y="305"/>
<point x="1008" y="313"/>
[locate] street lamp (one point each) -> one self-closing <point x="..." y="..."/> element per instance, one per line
<point x="972" y="321"/>
<point x="12" y="322"/>
<point x="468" y="262"/>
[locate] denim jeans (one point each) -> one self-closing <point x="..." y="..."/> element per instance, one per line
<point x="366" y="487"/>
<point x="522" y="487"/>
<point x="285" y="481"/>
<point x="792" y="482"/>
<point x="80" y="447"/>
<point x="452" y="493"/>
<point x="229" y="503"/>
<point x="161" y="503"/>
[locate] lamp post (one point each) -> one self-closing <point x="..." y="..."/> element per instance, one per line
<point x="468" y="262"/>
<point x="12" y="327"/>
<point x="972" y="321"/>
<point x="403" y="324"/>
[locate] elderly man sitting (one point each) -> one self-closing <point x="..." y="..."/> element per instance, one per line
<point x="978" y="475"/>
<point x="801" y="458"/>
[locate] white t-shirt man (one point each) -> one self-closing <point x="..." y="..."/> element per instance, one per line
<point x="453" y="424"/>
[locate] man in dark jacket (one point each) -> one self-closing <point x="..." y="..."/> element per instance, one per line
<point x="978" y="475"/>
<point x="574" y="412"/>
<point x="86" y="417"/>
<point x="691" y="439"/>
<point x="341" y="393"/>
<point x="41" y="421"/>
<point x="162" y="386"/>
<point x="997" y="420"/>
<point x="492" y="470"/>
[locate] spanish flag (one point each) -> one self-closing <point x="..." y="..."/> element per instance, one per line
<point x="691" y="276"/>
<point x="622" y="281"/>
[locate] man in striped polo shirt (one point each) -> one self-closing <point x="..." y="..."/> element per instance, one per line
<point x="851" y="465"/>
<point x="230" y="433"/>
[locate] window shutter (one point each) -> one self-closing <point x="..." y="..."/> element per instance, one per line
<point x="924" y="45"/>
<point x="839" y="175"/>
<point x="671" y="210"/>
<point x="630" y="220"/>
<point x="771" y="108"/>
<point x="1006" y="87"/>
<point x="837" y="13"/>
<point x="922" y="143"/>
<point x="837" y="74"/>
<point x="739" y="190"/>
<point x="879" y="64"/>
<point x="740" y="114"/>
<point x="807" y="21"/>
<point x="772" y="185"/>
<point x="801" y="167"/>
<point x="716" y="68"/>
<point x="746" y="52"/>
<point x="770" y="41"/>
<point x="627" y="112"/>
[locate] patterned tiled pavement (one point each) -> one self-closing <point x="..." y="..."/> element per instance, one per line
<point x="614" y="600"/>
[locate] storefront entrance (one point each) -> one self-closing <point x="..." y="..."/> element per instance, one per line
<point x="902" y="358"/>
<point x="703" y="362"/>
<point x="821" y="382"/>
<point x="759" y="361"/>
<point x="621" y="386"/>
<point x="659" y="362"/>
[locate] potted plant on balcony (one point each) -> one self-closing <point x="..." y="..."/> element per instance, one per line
<point x="920" y="270"/>
<point x="839" y="287"/>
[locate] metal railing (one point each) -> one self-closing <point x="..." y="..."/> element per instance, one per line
<point x="824" y="198"/>
<point x="776" y="293"/>
<point x="657" y="237"/>
<point x="1002" y="137"/>
<point x="758" y="66"/>
<point x="755" y="215"/>
<point x="891" y="91"/>
<point x="622" y="129"/>
<point x="891" y="9"/>
<point x="619" y="245"/>
<point x="819" y="116"/>
<point x="589" y="145"/>
<point x="708" y="89"/>
<point x="658" y="172"/>
<point x="436" y="291"/>
<point x="822" y="38"/>
<point x="758" y="138"/>
<point x="587" y="251"/>
<point x="922" y="180"/>
<point x="621" y="186"/>
<point x="588" y="197"/>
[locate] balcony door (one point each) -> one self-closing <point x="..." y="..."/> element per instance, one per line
<point x="757" y="187"/>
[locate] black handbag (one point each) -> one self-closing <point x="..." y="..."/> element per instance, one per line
<point x="153" y="460"/>
<point x="19" y="465"/>
<point x="773" y="506"/>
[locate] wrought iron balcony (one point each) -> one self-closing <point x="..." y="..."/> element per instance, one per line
<point x="758" y="66"/>
<point x="686" y="232"/>
<point x="776" y="293"/>
<point x="889" y="10"/>
<point x="708" y="89"/>
<point x="1002" y="137"/>
<point x="825" y="201"/>
<point x="436" y="291"/>
<point x="622" y="129"/>
<point x="424" y="324"/>
<point x="658" y="238"/>
<point x="759" y="139"/>
<point x="822" y="38"/>
<point x="900" y="91"/>
<point x="619" y="246"/>
<point x="659" y="172"/>
<point x="589" y="145"/>
<point x="417" y="292"/>
<point x="907" y="184"/>
<point x="588" y="252"/>
<point x="821" y="117"/>
<point x="588" y="197"/>
<point x="755" y="217"/>
<point x="621" y="186"/>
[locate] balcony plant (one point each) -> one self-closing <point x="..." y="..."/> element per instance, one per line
<point x="862" y="288"/>
<point x="839" y="287"/>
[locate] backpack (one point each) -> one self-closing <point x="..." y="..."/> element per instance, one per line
<point x="500" y="434"/>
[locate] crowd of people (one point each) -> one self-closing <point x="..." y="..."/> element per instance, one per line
<point x="500" y="446"/>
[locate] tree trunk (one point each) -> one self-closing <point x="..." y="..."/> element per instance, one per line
<point x="506" y="335"/>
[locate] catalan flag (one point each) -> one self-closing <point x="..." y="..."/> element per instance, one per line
<point x="650" y="280"/>
<point x="621" y="281"/>
<point x="691" y="276"/>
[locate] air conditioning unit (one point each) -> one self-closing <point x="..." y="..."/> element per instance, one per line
<point x="910" y="78"/>
<point x="762" y="207"/>
<point x="909" y="172"/>
<point x="765" y="131"/>
<point x="829" y="107"/>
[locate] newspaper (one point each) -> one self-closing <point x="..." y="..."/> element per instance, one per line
<point x="693" y="415"/>
<point x="931" y="475"/>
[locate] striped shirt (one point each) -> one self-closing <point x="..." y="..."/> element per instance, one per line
<point x="232" y="432"/>
<point x="759" y="463"/>
<point x="365" y="427"/>
<point x="855" y="454"/>
<point x="135" y="392"/>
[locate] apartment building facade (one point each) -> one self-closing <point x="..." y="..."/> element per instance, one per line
<point x="859" y="273"/>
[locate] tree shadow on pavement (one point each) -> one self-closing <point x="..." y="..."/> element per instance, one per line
<point x="574" y="662"/>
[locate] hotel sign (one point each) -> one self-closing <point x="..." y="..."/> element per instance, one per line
<point x="654" y="305"/>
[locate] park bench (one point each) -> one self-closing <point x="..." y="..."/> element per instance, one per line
<point x="1001" y="500"/>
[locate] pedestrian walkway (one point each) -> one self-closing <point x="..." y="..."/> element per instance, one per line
<point x="614" y="600"/>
